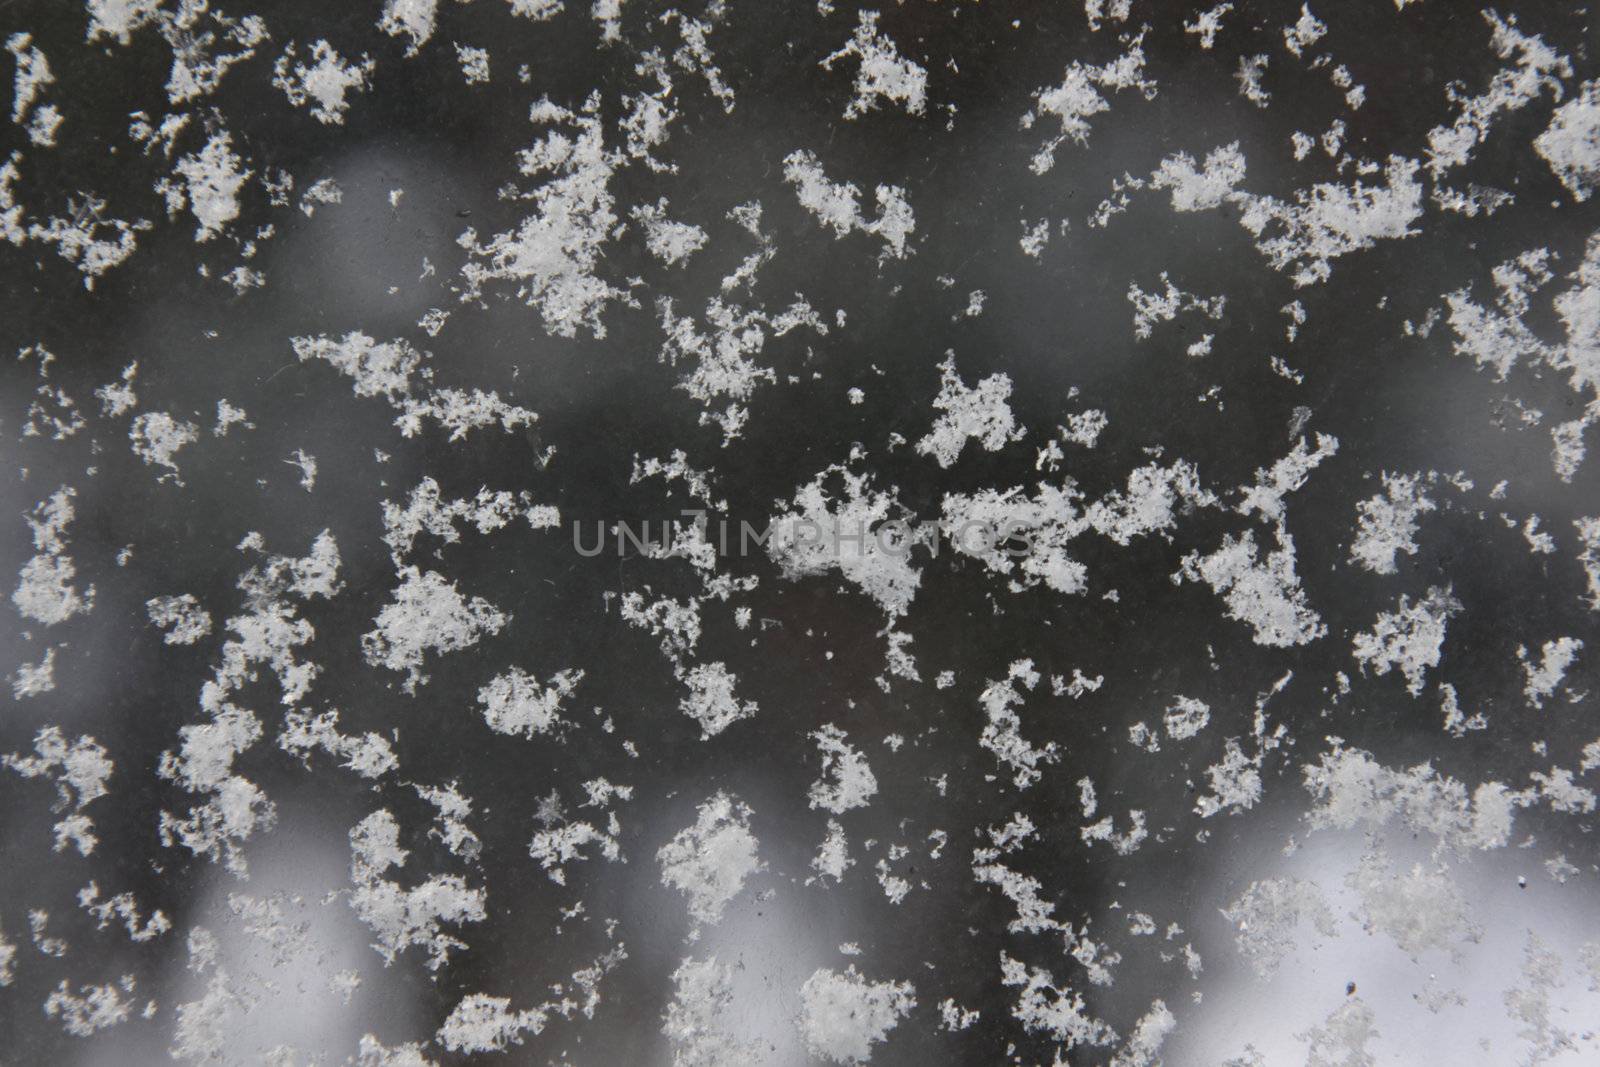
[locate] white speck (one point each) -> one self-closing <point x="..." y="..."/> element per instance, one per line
<point x="123" y="906"/>
<point x="1539" y="542"/>
<point x="118" y="398"/>
<point x="321" y="191"/>
<point x="555" y="847"/>
<point x="1263" y="592"/>
<point x="308" y="468"/>
<point x="821" y="534"/>
<point x="1150" y="308"/>
<point x="1204" y="189"/>
<point x="608" y="13"/>
<point x="551" y="256"/>
<point x="391" y="369"/>
<point x="1457" y="723"/>
<point x="1035" y="237"/>
<point x="85" y="236"/>
<point x="1002" y="734"/>
<point x="1349" y="788"/>
<point x="33" y="679"/>
<point x="474" y="64"/>
<point x="1143" y="1048"/>
<point x="670" y="242"/>
<point x="1306" y="31"/>
<point x="537" y="10"/>
<point x="1266" y="915"/>
<point x="1235" y="783"/>
<point x="1251" y="68"/>
<point x="229" y="416"/>
<point x="1057" y="1010"/>
<point x="369" y="754"/>
<point x="33" y="74"/>
<point x="1538" y="68"/>
<point x="1589" y="558"/>
<point x="953" y="1017"/>
<point x="92" y="1009"/>
<point x="833" y="856"/>
<point x="80" y="769"/>
<point x="118" y="18"/>
<point x="1207" y="24"/>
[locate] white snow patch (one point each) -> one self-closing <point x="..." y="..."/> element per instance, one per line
<point x="1571" y="143"/>
<point x="1267" y="916"/>
<point x="980" y="413"/>
<point x="838" y="206"/>
<point x="1410" y="638"/>
<point x="428" y="614"/>
<point x="1263" y="592"/>
<point x="1386" y="523"/>
<point x="181" y="616"/>
<point x="700" y="1021"/>
<point x="1544" y="677"/>
<point x="843" y="1015"/>
<point x="709" y="861"/>
<point x="515" y="702"/>
<point x="324" y="84"/>
<point x="847" y="781"/>
<point x="1078" y="97"/>
<point x="413" y="18"/>
<point x="401" y="918"/>
<point x="884" y="74"/>
<point x="157" y="437"/>
<point x="80" y="769"/>
<point x="45" y="591"/>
